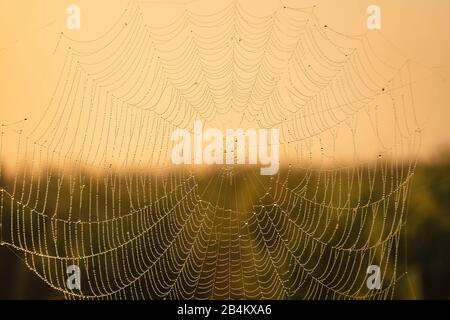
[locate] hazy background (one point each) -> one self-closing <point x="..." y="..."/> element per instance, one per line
<point x="29" y="32"/>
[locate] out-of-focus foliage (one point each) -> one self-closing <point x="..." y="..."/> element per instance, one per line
<point x="426" y="256"/>
<point x="428" y="230"/>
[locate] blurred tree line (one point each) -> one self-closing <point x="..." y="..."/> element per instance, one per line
<point x="427" y="251"/>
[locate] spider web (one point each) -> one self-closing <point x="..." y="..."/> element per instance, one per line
<point x="100" y="191"/>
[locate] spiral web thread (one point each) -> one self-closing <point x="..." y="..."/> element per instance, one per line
<point x="100" y="191"/>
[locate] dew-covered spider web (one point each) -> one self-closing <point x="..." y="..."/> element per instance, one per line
<point x="92" y="184"/>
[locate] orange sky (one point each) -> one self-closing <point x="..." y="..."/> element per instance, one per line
<point x="29" y="31"/>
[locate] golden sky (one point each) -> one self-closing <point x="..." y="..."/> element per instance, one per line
<point x="31" y="49"/>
